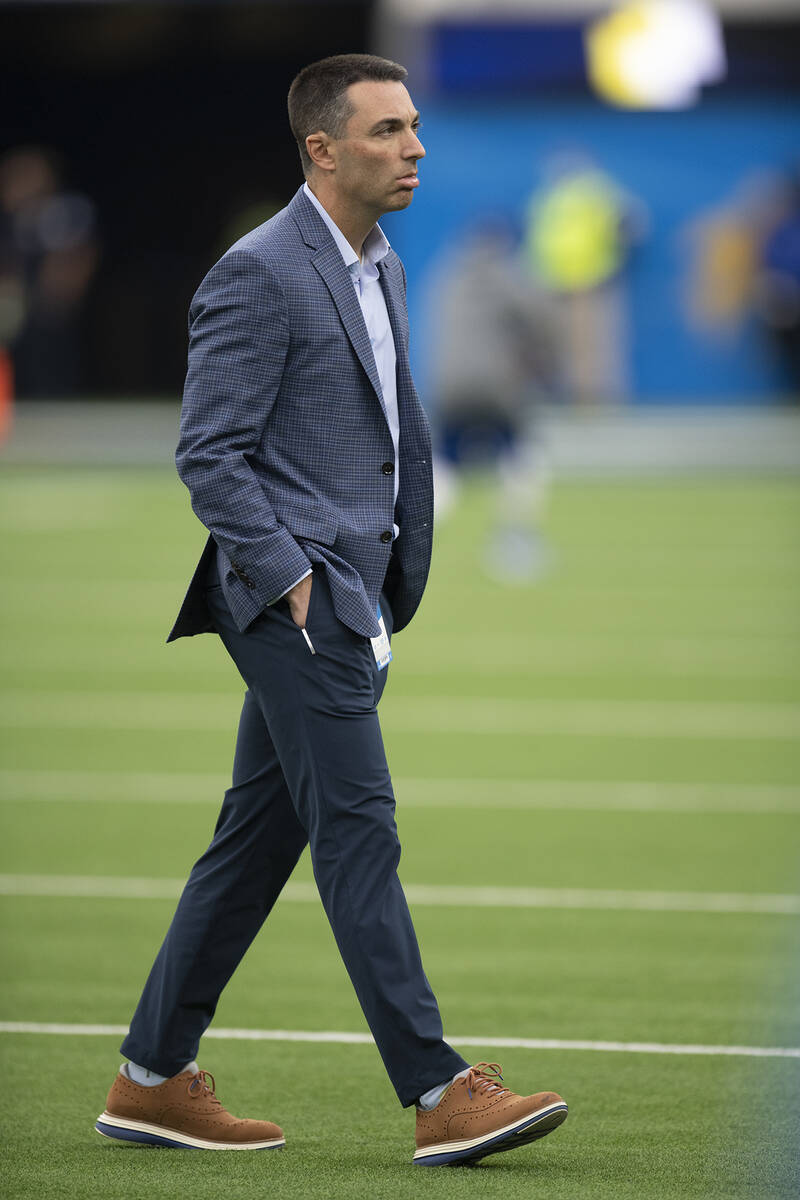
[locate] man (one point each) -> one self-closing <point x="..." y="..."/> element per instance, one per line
<point x="307" y="456"/>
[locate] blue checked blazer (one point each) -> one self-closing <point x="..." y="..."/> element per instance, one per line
<point x="284" y="443"/>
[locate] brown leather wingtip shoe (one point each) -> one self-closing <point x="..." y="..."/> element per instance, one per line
<point x="477" y="1116"/>
<point x="181" y="1113"/>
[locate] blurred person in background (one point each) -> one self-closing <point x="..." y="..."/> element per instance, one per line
<point x="778" y="278"/>
<point x="725" y="245"/>
<point x="48" y="255"/>
<point x="581" y="228"/>
<point x="495" y="359"/>
<point x="307" y="455"/>
<point x="744" y="265"/>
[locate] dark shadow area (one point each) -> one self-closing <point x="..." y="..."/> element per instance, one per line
<point x="171" y="120"/>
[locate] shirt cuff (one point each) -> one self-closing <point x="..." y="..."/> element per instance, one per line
<point x="305" y="575"/>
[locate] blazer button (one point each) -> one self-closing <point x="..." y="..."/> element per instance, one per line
<point x="388" y="468"/>
<point x="243" y="576"/>
<point x="386" y="536"/>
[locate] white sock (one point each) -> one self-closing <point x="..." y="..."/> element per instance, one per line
<point x="432" y="1097"/>
<point x="146" y="1078"/>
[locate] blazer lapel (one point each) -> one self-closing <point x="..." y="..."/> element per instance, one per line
<point x="387" y="287"/>
<point x="406" y="392"/>
<point x="328" y="261"/>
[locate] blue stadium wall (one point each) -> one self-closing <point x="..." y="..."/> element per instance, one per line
<point x="486" y="153"/>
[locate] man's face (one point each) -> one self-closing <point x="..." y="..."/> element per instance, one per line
<point x="376" y="158"/>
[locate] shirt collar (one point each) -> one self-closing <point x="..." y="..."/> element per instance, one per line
<point x="376" y="245"/>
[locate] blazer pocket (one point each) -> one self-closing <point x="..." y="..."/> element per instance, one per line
<point x="312" y="524"/>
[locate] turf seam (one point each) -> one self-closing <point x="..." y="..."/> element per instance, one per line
<point x="110" y="887"/>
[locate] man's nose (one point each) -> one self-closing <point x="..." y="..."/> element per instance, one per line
<point x="415" y="148"/>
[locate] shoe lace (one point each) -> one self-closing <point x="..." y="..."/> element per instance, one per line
<point x="201" y="1080"/>
<point x="481" y="1078"/>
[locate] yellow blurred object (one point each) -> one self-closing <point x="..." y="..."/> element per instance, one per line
<point x="607" y="42"/>
<point x="573" y="236"/>
<point x="728" y="260"/>
<point x="655" y="54"/>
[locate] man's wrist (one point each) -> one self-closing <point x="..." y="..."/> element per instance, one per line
<point x="283" y="595"/>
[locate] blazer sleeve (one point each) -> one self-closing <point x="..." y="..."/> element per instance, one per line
<point x="238" y="341"/>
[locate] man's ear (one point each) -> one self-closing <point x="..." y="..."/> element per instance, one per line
<point x="318" y="148"/>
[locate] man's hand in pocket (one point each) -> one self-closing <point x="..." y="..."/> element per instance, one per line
<point x="298" y="598"/>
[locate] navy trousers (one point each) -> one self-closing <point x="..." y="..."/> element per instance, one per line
<point x="309" y="767"/>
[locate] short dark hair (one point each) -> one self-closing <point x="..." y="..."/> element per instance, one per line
<point x="318" y="95"/>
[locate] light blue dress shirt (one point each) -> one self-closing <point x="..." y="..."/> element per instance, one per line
<point x="366" y="281"/>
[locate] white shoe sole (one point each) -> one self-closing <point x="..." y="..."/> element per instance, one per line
<point x="142" y="1133"/>
<point x="518" y="1133"/>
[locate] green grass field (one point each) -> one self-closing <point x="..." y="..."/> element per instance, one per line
<point x="599" y="802"/>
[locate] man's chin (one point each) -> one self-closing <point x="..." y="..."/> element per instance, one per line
<point x="400" y="199"/>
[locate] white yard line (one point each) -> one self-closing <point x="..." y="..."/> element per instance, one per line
<point x="206" y="788"/>
<point x="365" y="1039"/>
<point x="102" y="887"/>
<point x="199" y="711"/>
<point x="596" y="795"/>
